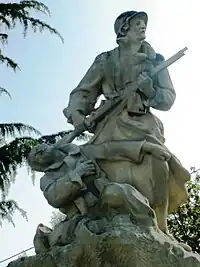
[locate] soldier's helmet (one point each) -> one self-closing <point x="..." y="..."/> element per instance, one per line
<point x="122" y="21"/>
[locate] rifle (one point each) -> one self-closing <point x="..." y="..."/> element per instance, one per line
<point x="109" y="104"/>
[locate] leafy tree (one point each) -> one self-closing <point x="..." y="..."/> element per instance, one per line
<point x="14" y="155"/>
<point x="13" y="14"/>
<point x="11" y="156"/>
<point x="184" y="224"/>
<point x="14" y="146"/>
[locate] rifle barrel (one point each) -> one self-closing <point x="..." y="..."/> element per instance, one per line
<point x="110" y="104"/>
<point x="169" y="61"/>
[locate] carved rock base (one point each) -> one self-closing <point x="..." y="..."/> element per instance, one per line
<point x="119" y="243"/>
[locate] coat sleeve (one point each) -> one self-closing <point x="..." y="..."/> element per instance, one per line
<point x="58" y="192"/>
<point x="116" y="150"/>
<point x="164" y="91"/>
<point x="84" y="97"/>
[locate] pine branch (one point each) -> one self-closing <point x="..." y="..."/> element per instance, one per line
<point x="37" y="24"/>
<point x="13" y="13"/>
<point x="3" y="38"/>
<point x="9" y="62"/>
<point x="11" y="129"/>
<point x="52" y="138"/>
<point x="7" y="210"/>
<point x="13" y="156"/>
<point x="36" y="5"/>
<point x="4" y="21"/>
<point x="4" y="91"/>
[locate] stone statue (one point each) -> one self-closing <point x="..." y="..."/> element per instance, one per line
<point x="117" y="189"/>
<point x="73" y="180"/>
<point x="65" y="168"/>
<point x="160" y="180"/>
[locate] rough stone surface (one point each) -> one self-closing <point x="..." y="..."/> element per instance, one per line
<point x="132" y="246"/>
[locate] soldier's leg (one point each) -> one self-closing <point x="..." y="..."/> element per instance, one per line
<point x="160" y="176"/>
<point x="127" y="200"/>
<point x="161" y="212"/>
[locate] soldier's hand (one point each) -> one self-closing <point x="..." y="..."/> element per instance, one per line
<point x="90" y="126"/>
<point x="86" y="168"/>
<point x="157" y="151"/>
<point x="146" y="85"/>
<point x="77" y="118"/>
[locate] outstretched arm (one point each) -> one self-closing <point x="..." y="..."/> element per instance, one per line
<point x="83" y="98"/>
<point x="116" y="150"/>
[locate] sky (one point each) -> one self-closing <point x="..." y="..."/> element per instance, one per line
<point x="50" y="70"/>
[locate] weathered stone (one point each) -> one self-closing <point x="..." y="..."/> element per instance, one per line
<point x="125" y="73"/>
<point x="125" y="245"/>
<point x="118" y="188"/>
<point x="44" y="260"/>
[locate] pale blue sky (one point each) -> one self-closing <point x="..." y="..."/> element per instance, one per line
<point x="50" y="70"/>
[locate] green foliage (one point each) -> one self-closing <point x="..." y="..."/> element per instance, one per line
<point x="11" y="129"/>
<point x="21" y="13"/>
<point x="13" y="13"/>
<point x="4" y="91"/>
<point x="184" y="224"/>
<point x="7" y="210"/>
<point x="14" y="155"/>
<point x="14" y="147"/>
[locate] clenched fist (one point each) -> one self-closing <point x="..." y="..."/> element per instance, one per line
<point x="77" y="118"/>
<point x="145" y="85"/>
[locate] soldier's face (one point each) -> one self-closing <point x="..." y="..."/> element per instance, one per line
<point x="137" y="30"/>
<point x="44" y="155"/>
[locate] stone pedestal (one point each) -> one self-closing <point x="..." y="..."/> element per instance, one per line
<point x="119" y="242"/>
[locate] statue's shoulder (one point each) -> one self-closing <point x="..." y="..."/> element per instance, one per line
<point x="159" y="58"/>
<point x="49" y="177"/>
<point x="51" y="174"/>
<point x="155" y="57"/>
<point x="106" y="55"/>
